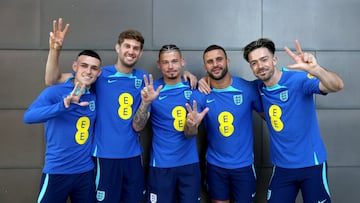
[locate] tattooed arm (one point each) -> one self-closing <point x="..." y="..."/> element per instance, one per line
<point x="148" y="94"/>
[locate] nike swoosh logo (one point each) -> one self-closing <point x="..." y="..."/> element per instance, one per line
<point x="162" y="97"/>
<point x="210" y="100"/>
<point x="111" y="81"/>
<point x="322" y="201"/>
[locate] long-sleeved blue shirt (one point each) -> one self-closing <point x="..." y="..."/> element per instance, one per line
<point x="68" y="131"/>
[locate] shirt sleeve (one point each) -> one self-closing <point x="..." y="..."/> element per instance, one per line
<point x="48" y="105"/>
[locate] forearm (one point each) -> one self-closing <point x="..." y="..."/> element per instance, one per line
<point x="40" y="113"/>
<point x="329" y="81"/>
<point x="52" y="71"/>
<point x="141" y="117"/>
<point x="191" y="131"/>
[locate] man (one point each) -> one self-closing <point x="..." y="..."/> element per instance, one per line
<point x="296" y="148"/>
<point x="68" y="111"/>
<point x="120" y="175"/>
<point x="230" y="169"/>
<point x="174" y="173"/>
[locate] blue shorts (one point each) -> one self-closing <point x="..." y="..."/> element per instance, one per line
<point x="312" y="181"/>
<point x="178" y="184"/>
<point x="56" y="188"/>
<point x="225" y="184"/>
<point x="120" y="180"/>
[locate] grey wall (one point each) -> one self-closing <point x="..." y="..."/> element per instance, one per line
<point x="328" y="28"/>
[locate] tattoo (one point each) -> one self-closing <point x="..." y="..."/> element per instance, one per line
<point x="141" y="117"/>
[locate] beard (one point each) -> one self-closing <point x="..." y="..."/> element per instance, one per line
<point x="267" y="76"/>
<point x="221" y="76"/>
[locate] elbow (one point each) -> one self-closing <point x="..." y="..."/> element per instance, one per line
<point x="47" y="83"/>
<point x="189" y="136"/>
<point x="50" y="81"/>
<point x="340" y="85"/>
<point x="27" y="119"/>
<point x="137" y="128"/>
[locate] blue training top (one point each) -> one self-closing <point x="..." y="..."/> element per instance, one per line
<point x="228" y="123"/>
<point x="170" y="147"/>
<point x="68" y="131"/>
<point x="118" y="97"/>
<point x="295" y="140"/>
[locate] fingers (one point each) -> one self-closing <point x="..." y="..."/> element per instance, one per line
<point x="186" y="76"/>
<point x="67" y="26"/>
<point x="146" y="81"/>
<point x="54" y="26"/>
<point x="151" y="80"/>
<point x="204" y="112"/>
<point x="67" y="101"/>
<point x="298" y="48"/>
<point x="204" y="86"/>
<point x="195" y="106"/>
<point x="158" y="89"/>
<point x="60" y="24"/>
<point x="290" y="53"/>
<point x="193" y="81"/>
<point x="188" y="107"/>
<point x="84" y="103"/>
<point x="299" y="53"/>
<point x="193" y="109"/>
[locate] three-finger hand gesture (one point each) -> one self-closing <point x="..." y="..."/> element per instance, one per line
<point x="57" y="36"/>
<point x="148" y="94"/>
<point x="303" y="61"/>
<point x="193" y="117"/>
<point x="74" y="96"/>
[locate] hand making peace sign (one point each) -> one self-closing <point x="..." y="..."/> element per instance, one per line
<point x="303" y="61"/>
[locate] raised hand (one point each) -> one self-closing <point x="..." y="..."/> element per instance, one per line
<point x="193" y="117"/>
<point x="204" y="85"/>
<point x="148" y="94"/>
<point x="58" y="34"/>
<point x="303" y="61"/>
<point x="74" y="96"/>
<point x="192" y="78"/>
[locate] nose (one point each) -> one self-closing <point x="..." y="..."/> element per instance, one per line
<point x="131" y="50"/>
<point x="88" y="70"/>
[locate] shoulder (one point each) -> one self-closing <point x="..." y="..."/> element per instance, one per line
<point x="242" y="81"/>
<point x="139" y="73"/>
<point x="108" y="70"/>
<point x="245" y="84"/>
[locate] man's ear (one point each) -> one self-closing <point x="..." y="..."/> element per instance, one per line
<point x="117" y="48"/>
<point x="275" y="60"/>
<point x="74" y="66"/>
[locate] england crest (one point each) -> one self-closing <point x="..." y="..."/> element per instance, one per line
<point x="92" y="105"/>
<point x="284" y="96"/>
<point x="138" y="83"/>
<point x="187" y="94"/>
<point x="100" y="195"/>
<point x="238" y="99"/>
